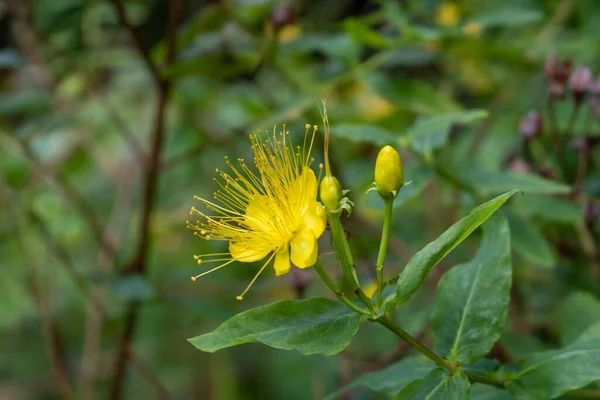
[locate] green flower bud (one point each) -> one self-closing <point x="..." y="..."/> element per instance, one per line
<point x="389" y="176"/>
<point x="330" y="192"/>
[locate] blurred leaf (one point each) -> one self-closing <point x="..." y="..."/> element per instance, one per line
<point x="579" y="311"/>
<point x="338" y="46"/>
<point x="133" y="287"/>
<point x="508" y="18"/>
<point x="437" y="385"/>
<point x="364" y="133"/>
<point x="421" y="263"/>
<point x="472" y="298"/>
<point x="431" y="133"/>
<point x="552" y="373"/>
<point x="549" y="209"/>
<point x="490" y="183"/>
<point x="529" y="242"/>
<point x="363" y="34"/>
<point x="25" y="102"/>
<point x="416" y="96"/>
<point x="10" y="59"/>
<point x="419" y="176"/>
<point x="392" y="379"/>
<point x="479" y="391"/>
<point x="313" y="326"/>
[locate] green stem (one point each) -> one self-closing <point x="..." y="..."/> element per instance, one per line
<point x="345" y="256"/>
<point x="334" y="288"/>
<point x="388" y="323"/>
<point x="383" y="246"/>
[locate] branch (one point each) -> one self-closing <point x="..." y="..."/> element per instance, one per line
<point x="50" y="332"/>
<point x="138" y="266"/>
<point x="138" y="41"/>
<point x="62" y="255"/>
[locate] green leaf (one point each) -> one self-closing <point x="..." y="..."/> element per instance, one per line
<point x="480" y="391"/>
<point x="580" y="311"/>
<point x="364" y="133"/>
<point x="508" y="17"/>
<point x="363" y="34"/>
<point x="439" y="384"/>
<point x="472" y="299"/>
<point x="529" y="242"/>
<point x="392" y="379"/>
<point x="549" y="209"/>
<point x="313" y="326"/>
<point x="431" y="133"/>
<point x="421" y="263"/>
<point x="550" y="374"/>
<point x="412" y="95"/>
<point x="490" y="183"/>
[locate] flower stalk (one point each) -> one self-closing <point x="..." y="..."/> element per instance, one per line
<point x="383" y="246"/>
<point x="345" y="257"/>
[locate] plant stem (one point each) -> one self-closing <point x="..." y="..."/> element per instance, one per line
<point x="334" y="288"/>
<point x="388" y="323"/>
<point x="345" y="257"/>
<point x="383" y="246"/>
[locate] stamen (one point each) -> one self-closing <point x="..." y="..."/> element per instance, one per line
<point x="241" y="296"/>
<point x="212" y="270"/>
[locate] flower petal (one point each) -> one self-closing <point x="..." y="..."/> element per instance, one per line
<point x="315" y="221"/>
<point x="282" y="261"/>
<point x="258" y="214"/>
<point x="304" y="249"/>
<point x="305" y="188"/>
<point x="245" y="253"/>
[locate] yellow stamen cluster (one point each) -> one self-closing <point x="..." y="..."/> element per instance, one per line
<point x="269" y="210"/>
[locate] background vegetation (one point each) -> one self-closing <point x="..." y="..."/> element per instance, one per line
<point x="114" y="113"/>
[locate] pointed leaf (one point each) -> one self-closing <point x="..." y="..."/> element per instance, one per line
<point x="549" y="374"/>
<point x="490" y="183"/>
<point x="421" y="263"/>
<point x="472" y="298"/>
<point x="313" y="326"/>
<point x="392" y="379"/>
<point x="439" y="384"/>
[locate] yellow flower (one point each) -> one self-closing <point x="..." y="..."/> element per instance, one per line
<point x="272" y="214"/>
<point x="448" y="14"/>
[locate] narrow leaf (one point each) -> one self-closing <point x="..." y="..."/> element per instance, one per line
<point x="479" y="391"/>
<point x="549" y="374"/>
<point x="490" y="183"/>
<point x="392" y="379"/>
<point x="439" y="384"/>
<point x="421" y="263"/>
<point x="472" y="298"/>
<point x="313" y="326"/>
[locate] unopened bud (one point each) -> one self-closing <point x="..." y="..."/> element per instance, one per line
<point x="580" y="83"/>
<point x="558" y="71"/>
<point x="389" y="176"/>
<point x="330" y="192"/>
<point x="283" y="14"/>
<point x="531" y="125"/>
<point x="517" y="164"/>
<point x="594" y="88"/>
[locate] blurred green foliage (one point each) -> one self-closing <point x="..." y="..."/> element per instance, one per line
<point x="78" y="116"/>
